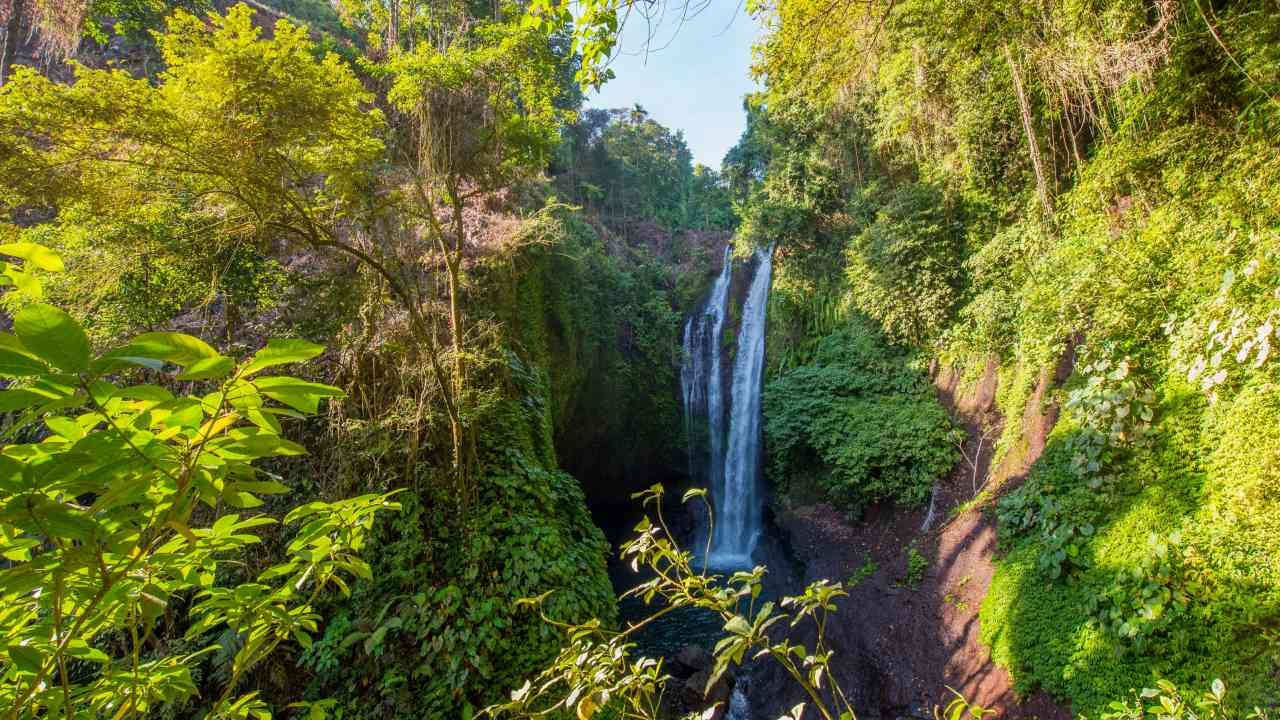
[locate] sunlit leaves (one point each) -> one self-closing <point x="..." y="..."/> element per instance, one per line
<point x="98" y="516"/>
<point x="281" y="352"/>
<point x="595" y="26"/>
<point x="597" y="664"/>
<point x="500" y="85"/>
<point x="264" y="131"/>
<point x="53" y="336"/>
<point x="24" y="277"/>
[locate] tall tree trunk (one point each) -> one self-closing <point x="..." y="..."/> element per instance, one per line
<point x="1029" y="128"/>
<point x="465" y="436"/>
<point x="393" y="27"/>
<point x="11" y="12"/>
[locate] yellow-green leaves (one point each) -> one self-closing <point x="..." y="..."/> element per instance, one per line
<point x="97" y="515"/>
<point x="53" y="336"/>
<point x="266" y="132"/>
<point x="37" y="256"/>
<point x="280" y="352"/>
<point x="298" y="394"/>
<point x="595" y="26"/>
<point x="500" y="83"/>
<point x="23" y="278"/>
<point x="16" y="360"/>
<point x="176" y="348"/>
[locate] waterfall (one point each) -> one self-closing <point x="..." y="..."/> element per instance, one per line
<point x="739" y="707"/>
<point x="701" y="378"/>
<point x="732" y="458"/>
<point x="738" y="505"/>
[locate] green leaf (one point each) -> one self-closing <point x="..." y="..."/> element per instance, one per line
<point x="176" y="348"/>
<point x="80" y="649"/>
<point x="298" y="394"/>
<point x="53" y="336"/>
<point x="25" y="283"/>
<point x="280" y="352"/>
<point x="265" y="421"/>
<point x="737" y="625"/>
<point x="693" y="493"/>
<point x="35" y="255"/>
<point x="153" y="393"/>
<point x="65" y="427"/>
<point x="11" y="400"/>
<point x="26" y="658"/>
<point x="16" y="360"/>
<point x="208" y="368"/>
<point x="38" y="514"/>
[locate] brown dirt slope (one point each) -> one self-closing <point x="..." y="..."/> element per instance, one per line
<point x="915" y="642"/>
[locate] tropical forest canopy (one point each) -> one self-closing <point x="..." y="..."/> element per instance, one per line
<point x="335" y="333"/>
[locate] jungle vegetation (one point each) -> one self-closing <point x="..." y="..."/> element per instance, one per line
<point x="477" y="285"/>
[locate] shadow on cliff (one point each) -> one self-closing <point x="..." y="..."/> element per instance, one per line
<point x="902" y="638"/>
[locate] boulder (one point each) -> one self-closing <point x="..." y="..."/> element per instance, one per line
<point x="691" y="659"/>
<point x="694" y="693"/>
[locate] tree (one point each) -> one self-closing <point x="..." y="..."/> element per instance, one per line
<point x="482" y="115"/>
<point x="262" y="140"/>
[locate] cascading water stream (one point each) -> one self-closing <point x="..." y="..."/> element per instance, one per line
<point x="739" y="502"/>
<point x="700" y="376"/>
<point x="732" y="463"/>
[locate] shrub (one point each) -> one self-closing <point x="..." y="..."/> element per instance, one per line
<point x="127" y="505"/>
<point x="861" y="417"/>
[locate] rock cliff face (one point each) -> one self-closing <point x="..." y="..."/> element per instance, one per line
<point x="603" y="322"/>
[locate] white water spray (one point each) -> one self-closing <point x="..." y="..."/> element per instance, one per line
<point x="700" y="377"/>
<point x="738" y="504"/>
<point x="732" y="457"/>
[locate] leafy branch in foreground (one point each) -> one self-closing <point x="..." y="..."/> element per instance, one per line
<point x="122" y="512"/>
<point x="595" y="669"/>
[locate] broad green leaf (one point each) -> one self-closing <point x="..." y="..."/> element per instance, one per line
<point x="53" y="336"/>
<point x="298" y="394"/>
<point x="176" y="348"/>
<point x="38" y="514"/>
<point x="280" y="352"/>
<point x="237" y="499"/>
<point x="26" y="658"/>
<point x="208" y="368"/>
<point x="35" y="255"/>
<point x="81" y="650"/>
<point x="11" y="477"/>
<point x="65" y="427"/>
<point x="153" y="393"/>
<point x="21" y="399"/>
<point x="265" y="421"/>
<point x="26" y="283"/>
<point x="737" y="625"/>
<point x="16" y="360"/>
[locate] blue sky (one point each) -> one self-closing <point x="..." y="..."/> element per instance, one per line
<point x="694" y="76"/>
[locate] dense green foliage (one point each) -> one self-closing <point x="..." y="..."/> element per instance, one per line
<point x="123" y="509"/>
<point x="587" y="351"/>
<point x="904" y="266"/>
<point x="860" y="419"/>
<point x="1019" y="181"/>
<point x="627" y="167"/>
<point x="256" y="184"/>
<point x="606" y="324"/>
<point x="1089" y="184"/>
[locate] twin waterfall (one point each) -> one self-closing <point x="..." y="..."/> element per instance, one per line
<point x="732" y="460"/>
